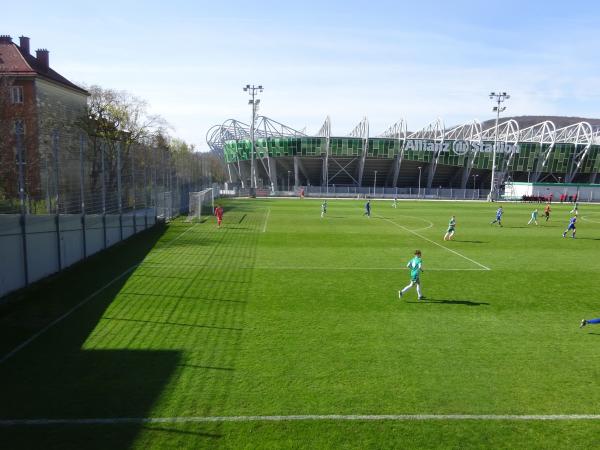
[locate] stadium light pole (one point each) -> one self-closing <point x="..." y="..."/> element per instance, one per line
<point x="374" y="182"/>
<point x="254" y="102"/>
<point x="499" y="98"/>
<point x="419" y="193"/>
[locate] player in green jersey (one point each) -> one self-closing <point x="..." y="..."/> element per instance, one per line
<point x="416" y="267"/>
<point x="533" y="219"/>
<point x="324" y="209"/>
<point x="451" y="228"/>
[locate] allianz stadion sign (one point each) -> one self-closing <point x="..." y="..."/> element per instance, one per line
<point x="459" y="147"/>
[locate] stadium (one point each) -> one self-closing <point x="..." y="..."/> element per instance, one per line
<point x="529" y="148"/>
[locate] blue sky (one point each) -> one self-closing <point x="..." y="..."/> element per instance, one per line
<point x="382" y="59"/>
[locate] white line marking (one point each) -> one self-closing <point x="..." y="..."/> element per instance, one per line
<point x="266" y="220"/>
<point x="419" y="218"/>
<point x="355" y="268"/>
<point x="25" y="343"/>
<point x="433" y="242"/>
<point x="296" y="418"/>
<point x="589" y="220"/>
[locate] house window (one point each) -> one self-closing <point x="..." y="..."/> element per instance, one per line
<point x="16" y="94"/>
<point x="19" y="127"/>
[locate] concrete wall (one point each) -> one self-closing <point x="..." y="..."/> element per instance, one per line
<point x="585" y="192"/>
<point x="53" y="243"/>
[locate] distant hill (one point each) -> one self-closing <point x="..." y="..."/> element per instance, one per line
<point x="527" y="121"/>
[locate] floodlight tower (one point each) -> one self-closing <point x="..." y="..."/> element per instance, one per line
<point x="498" y="98"/>
<point x="254" y="102"/>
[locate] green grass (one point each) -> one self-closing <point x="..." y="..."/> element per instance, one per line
<point x="283" y="313"/>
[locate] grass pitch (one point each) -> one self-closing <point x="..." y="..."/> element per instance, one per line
<point x="283" y="313"/>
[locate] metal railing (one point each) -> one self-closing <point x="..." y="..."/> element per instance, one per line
<point x="66" y="199"/>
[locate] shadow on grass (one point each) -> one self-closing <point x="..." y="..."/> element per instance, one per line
<point x="471" y="242"/>
<point x="54" y="377"/>
<point x="450" y="302"/>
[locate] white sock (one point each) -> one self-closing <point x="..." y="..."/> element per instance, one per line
<point x="407" y="288"/>
<point x="419" y="290"/>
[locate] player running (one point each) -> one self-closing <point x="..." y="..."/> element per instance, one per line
<point x="533" y="219"/>
<point x="368" y="209"/>
<point x="395" y="204"/>
<point x="324" y="209"/>
<point x="498" y="217"/>
<point x="575" y="209"/>
<point x="451" y="228"/>
<point x="547" y="211"/>
<point x="219" y="214"/>
<point x="585" y="322"/>
<point x="571" y="227"/>
<point x="416" y="267"/>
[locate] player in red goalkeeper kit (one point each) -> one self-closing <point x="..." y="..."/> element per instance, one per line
<point x="219" y="214"/>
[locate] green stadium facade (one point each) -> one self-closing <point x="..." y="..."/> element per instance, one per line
<point x="458" y="157"/>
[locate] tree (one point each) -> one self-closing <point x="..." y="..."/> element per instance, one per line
<point x="118" y="121"/>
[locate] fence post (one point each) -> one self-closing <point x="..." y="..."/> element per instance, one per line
<point x="145" y="187"/>
<point x="19" y="131"/>
<point x="82" y="194"/>
<point x="102" y="146"/>
<point x="131" y="150"/>
<point x="119" y="194"/>
<point x="57" y="184"/>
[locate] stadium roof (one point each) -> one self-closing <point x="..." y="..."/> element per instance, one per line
<point x="580" y="132"/>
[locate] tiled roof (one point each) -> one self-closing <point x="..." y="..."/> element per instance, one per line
<point x="16" y="62"/>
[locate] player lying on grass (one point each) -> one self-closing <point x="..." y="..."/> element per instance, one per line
<point x="585" y="322"/>
<point x="571" y="227"/>
<point x="451" y="228"/>
<point x="416" y="267"/>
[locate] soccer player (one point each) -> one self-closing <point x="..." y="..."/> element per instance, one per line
<point x="547" y="211"/>
<point x="416" y="267"/>
<point x="575" y="209"/>
<point x="571" y="227"/>
<point x="219" y="214"/>
<point x="533" y="217"/>
<point x="368" y="209"/>
<point x="324" y="209"/>
<point x="584" y="322"/>
<point x="498" y="217"/>
<point x="451" y="228"/>
<point x="395" y="204"/>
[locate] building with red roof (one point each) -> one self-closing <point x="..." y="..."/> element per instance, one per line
<point x="39" y="114"/>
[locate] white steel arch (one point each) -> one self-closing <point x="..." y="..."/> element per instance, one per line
<point x="397" y="131"/>
<point x="362" y="131"/>
<point x="434" y="131"/>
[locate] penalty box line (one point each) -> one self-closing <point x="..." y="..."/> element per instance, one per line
<point x="298" y="418"/>
<point x="435" y="243"/>
<point x="56" y="321"/>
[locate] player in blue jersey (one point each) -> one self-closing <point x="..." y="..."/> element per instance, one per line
<point x="498" y="217"/>
<point x="571" y="227"/>
<point x="368" y="209"/>
<point x="585" y="322"/>
<point x="416" y="267"/>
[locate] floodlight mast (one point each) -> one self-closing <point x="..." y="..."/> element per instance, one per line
<point x="499" y="98"/>
<point x="254" y="102"/>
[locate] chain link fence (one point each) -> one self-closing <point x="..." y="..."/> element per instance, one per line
<point x="68" y="197"/>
